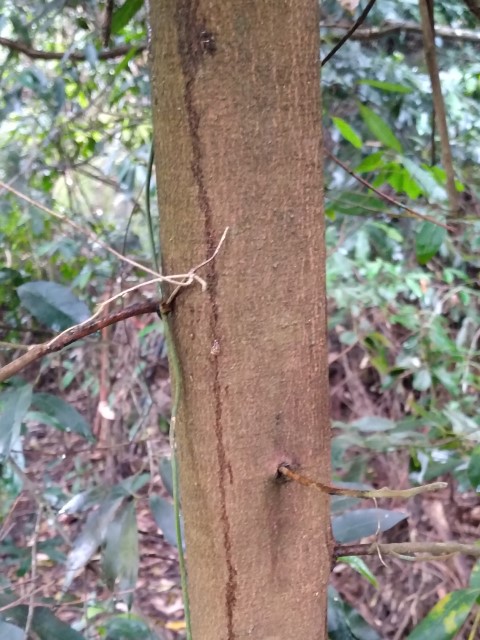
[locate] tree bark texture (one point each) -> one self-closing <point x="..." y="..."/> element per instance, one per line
<point x="237" y="119"/>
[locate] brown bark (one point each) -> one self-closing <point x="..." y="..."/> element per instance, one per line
<point x="440" y="115"/>
<point x="237" y="117"/>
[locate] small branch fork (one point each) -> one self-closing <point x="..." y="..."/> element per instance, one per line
<point x="95" y="323"/>
<point x="76" y="333"/>
<point x="402" y="550"/>
<point x="360" y="20"/>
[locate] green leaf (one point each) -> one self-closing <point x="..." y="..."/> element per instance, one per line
<point x="20" y="28"/>
<point x="10" y="277"/>
<point x="447" y="616"/>
<point x="360" y="567"/>
<point x="462" y="424"/>
<point x="360" y="628"/>
<point x="166" y="474"/>
<point x="380" y="128"/>
<point x="90" y="538"/>
<point x="441" y="176"/>
<point x="426" y="181"/>
<point x="422" y="380"/>
<point x="370" y="163"/>
<point x="428" y="241"/>
<point x="120" y="558"/>
<point x="85" y="500"/>
<point x="164" y="517"/>
<point x="475" y="576"/>
<point x="61" y="414"/>
<point x="132" y="484"/>
<point x="129" y="627"/>
<point x="338" y="627"/>
<point x="347" y="132"/>
<point x="125" y="13"/>
<point x="364" y="522"/>
<point x="14" y="405"/>
<point x="52" y="304"/>
<point x="373" y="423"/>
<point x="11" y="632"/>
<point x="344" y="622"/>
<point x="390" y="231"/>
<point x="440" y="339"/>
<point x="473" y="470"/>
<point x="45" y="626"/>
<point x="448" y="379"/>
<point x="386" y="86"/>
<point x="356" y="204"/>
<point x="122" y="66"/>
<point x="58" y="95"/>
<point x="96" y="495"/>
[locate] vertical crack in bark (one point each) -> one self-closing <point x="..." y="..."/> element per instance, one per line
<point x="190" y="31"/>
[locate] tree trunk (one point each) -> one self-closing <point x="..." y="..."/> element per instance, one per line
<point x="237" y="118"/>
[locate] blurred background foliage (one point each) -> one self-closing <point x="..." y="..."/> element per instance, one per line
<point x="75" y="131"/>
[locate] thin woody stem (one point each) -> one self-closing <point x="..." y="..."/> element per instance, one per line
<point x="406" y="550"/>
<point x="408" y="210"/>
<point x="374" y="494"/>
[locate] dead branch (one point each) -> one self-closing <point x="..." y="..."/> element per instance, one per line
<point x="77" y="56"/>
<point x="384" y="492"/>
<point x="76" y="333"/>
<point x="407" y="549"/>
<point x="389" y="28"/>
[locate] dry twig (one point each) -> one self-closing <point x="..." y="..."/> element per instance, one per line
<point x="77" y="56"/>
<point x="405" y="549"/>
<point x="358" y="22"/>
<point x="384" y="196"/>
<point x="374" y="494"/>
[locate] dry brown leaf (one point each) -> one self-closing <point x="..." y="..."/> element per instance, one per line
<point x="349" y="5"/>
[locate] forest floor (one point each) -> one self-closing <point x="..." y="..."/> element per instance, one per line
<point x="59" y="462"/>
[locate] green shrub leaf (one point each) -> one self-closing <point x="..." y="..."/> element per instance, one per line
<point x="344" y="622"/>
<point x="474" y="468"/>
<point x="124" y="14"/>
<point x="364" y="522"/>
<point x="120" y="556"/>
<point x="392" y="87"/>
<point x="14" y="405"/>
<point x="447" y="616"/>
<point x="52" y="304"/>
<point x="348" y="132"/>
<point x="428" y="241"/>
<point x="44" y="625"/>
<point x="166" y="474"/>
<point x="380" y="128"/>
<point x="369" y="424"/>
<point x="164" y="516"/>
<point x="90" y="538"/>
<point x="360" y="567"/>
<point x="61" y="415"/>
